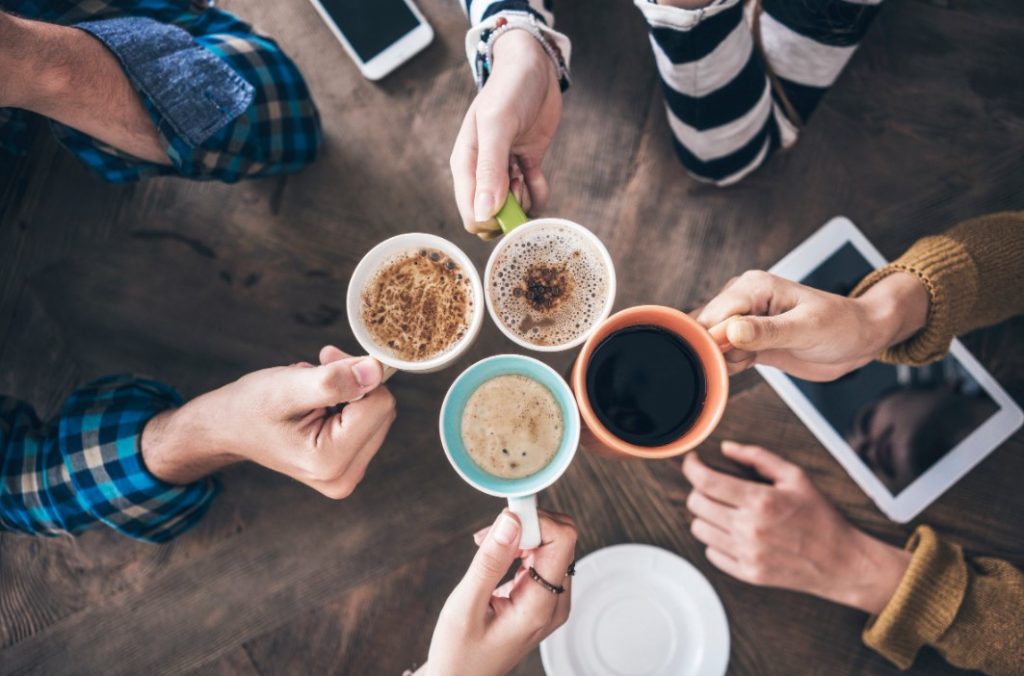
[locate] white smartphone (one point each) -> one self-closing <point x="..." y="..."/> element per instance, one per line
<point x="379" y="35"/>
<point x="905" y="434"/>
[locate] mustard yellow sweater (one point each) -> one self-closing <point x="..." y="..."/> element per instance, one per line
<point x="970" y="609"/>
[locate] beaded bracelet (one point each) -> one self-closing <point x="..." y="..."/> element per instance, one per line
<point x="510" y="21"/>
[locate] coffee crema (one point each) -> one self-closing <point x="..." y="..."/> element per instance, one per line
<point x="550" y="286"/>
<point x="418" y="305"/>
<point x="512" y="426"/>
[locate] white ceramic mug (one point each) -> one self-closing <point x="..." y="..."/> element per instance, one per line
<point x="516" y="226"/>
<point x="386" y="251"/>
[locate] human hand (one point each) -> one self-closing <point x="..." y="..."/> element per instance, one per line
<point x="508" y="127"/>
<point x="283" y="418"/>
<point x="483" y="631"/>
<point x="786" y="534"/>
<point x="811" y="334"/>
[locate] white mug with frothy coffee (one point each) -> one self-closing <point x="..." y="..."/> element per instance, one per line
<point x="415" y="303"/>
<point x="549" y="282"/>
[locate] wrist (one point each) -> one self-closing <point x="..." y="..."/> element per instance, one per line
<point x="896" y="308"/>
<point x="521" y="48"/>
<point x="875" y="573"/>
<point x="177" y="446"/>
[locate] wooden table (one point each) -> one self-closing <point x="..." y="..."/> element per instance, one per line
<point x="198" y="284"/>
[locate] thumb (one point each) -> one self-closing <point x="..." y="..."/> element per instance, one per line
<point x="493" y="559"/>
<point x="754" y="334"/>
<point x="492" y="160"/>
<point x="333" y="383"/>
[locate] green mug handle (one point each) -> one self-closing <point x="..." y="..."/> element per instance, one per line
<point x="510" y="216"/>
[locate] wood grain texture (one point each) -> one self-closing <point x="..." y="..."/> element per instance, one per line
<point x="199" y="283"/>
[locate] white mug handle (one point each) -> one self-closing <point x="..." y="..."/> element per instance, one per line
<point x="526" y="509"/>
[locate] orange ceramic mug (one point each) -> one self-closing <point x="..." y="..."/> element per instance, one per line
<point x="597" y="438"/>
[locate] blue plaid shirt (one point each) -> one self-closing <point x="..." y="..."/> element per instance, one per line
<point x="228" y="103"/>
<point x="87" y="468"/>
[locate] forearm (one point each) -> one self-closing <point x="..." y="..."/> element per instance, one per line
<point x="872" y="573"/>
<point x="534" y="17"/>
<point x="897" y="308"/>
<point x="65" y="74"/>
<point x="177" y="445"/>
<point x="970" y="275"/>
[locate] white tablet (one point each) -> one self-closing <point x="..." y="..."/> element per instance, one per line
<point x="905" y="434"/>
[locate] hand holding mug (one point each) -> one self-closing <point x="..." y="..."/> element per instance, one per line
<point x="761" y="318"/>
<point x="786" y="534"/>
<point x="510" y="124"/>
<point x="284" y="419"/>
<point x="485" y="631"/>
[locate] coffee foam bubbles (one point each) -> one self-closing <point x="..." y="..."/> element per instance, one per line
<point x="549" y="286"/>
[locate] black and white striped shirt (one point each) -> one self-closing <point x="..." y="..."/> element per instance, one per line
<point x="725" y="115"/>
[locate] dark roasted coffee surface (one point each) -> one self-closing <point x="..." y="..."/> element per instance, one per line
<point x="646" y="385"/>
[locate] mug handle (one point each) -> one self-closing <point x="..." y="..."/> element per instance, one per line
<point x="526" y="509"/>
<point x="511" y="215"/>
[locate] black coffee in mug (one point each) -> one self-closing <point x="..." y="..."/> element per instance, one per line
<point x="646" y="385"/>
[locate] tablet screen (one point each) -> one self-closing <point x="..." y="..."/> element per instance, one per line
<point x="899" y="420"/>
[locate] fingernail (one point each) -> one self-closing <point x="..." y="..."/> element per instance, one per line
<point x="742" y="331"/>
<point x="505" y="530"/>
<point x="729" y="445"/>
<point x="483" y="207"/>
<point x="367" y="372"/>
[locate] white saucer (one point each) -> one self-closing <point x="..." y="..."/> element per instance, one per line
<point x="639" y="610"/>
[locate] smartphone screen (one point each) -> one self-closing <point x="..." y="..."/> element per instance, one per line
<point x="371" y="26"/>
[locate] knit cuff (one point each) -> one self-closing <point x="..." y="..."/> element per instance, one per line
<point x="948" y="272"/>
<point x="925" y="603"/>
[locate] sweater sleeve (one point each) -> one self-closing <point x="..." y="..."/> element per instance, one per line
<point x="966" y="608"/>
<point x="971" y="273"/>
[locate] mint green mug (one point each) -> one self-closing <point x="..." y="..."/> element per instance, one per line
<point x="521" y="493"/>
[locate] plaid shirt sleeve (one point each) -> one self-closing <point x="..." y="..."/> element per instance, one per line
<point x="277" y="132"/>
<point x="87" y="467"/>
<point x="228" y="103"/>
